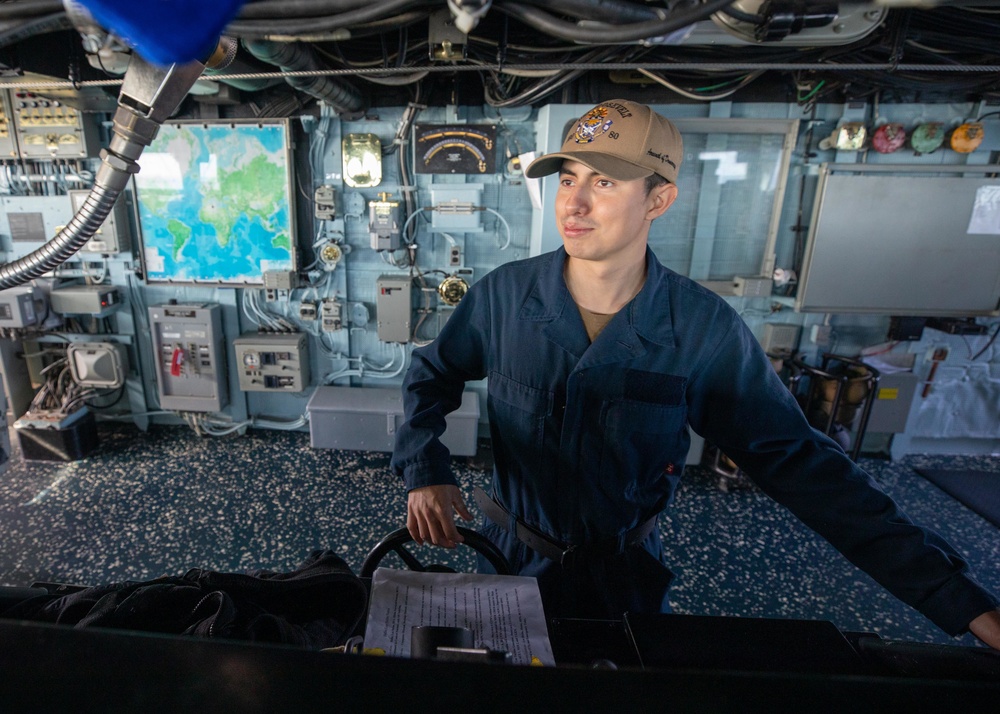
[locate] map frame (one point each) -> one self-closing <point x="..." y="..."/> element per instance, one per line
<point x="290" y="195"/>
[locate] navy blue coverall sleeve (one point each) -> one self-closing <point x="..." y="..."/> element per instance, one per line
<point x="738" y="402"/>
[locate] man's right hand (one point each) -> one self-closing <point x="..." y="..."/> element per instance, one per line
<point x="430" y="515"/>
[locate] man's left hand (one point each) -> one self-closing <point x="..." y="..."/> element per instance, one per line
<point x="987" y="628"/>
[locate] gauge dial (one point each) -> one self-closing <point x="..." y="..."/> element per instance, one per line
<point x="454" y="149"/>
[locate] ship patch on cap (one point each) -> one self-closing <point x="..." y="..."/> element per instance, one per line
<point x="592" y="125"/>
<point x="620" y="139"/>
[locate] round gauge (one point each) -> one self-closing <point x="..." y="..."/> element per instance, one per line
<point x="251" y="360"/>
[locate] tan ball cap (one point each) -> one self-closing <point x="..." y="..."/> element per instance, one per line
<point x="619" y="139"/>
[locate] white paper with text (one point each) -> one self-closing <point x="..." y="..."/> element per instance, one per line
<point x="504" y="612"/>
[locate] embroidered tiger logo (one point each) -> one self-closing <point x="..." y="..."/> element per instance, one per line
<point x="591" y="125"/>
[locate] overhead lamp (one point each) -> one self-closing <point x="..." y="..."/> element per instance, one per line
<point x="362" y="160"/>
<point x="927" y="137"/>
<point x="888" y="138"/>
<point x="850" y="136"/>
<point x="966" y="138"/>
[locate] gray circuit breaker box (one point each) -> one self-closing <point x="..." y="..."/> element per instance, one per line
<point x="190" y="362"/>
<point x="367" y="419"/>
<point x="394" y="307"/>
<point x="272" y="362"/>
<point x="892" y="402"/>
<point x="113" y="235"/>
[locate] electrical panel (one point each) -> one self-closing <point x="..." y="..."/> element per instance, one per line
<point x="780" y="337"/>
<point x="33" y="219"/>
<point x="752" y="287"/>
<point x="8" y="146"/>
<point x="94" y="300"/>
<point x="383" y="224"/>
<point x="190" y="364"/>
<point x="18" y="308"/>
<point x="394" y="307"/>
<point x="273" y="361"/>
<point x="331" y="315"/>
<point x="278" y="284"/>
<point x="48" y="129"/>
<point x="113" y="236"/>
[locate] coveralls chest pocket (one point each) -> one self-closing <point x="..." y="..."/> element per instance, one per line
<point x="644" y="433"/>
<point x="518" y="413"/>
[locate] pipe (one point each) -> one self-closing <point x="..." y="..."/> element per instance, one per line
<point x="243" y="64"/>
<point x="35" y="26"/>
<point x="16" y="11"/>
<point x="297" y="57"/>
<point x="608" y="34"/>
<point x="266" y="9"/>
<point x="616" y="12"/>
<point x="367" y="13"/>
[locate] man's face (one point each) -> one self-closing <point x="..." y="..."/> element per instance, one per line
<point x="602" y="219"/>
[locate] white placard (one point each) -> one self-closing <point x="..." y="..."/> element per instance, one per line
<point x="985" y="218"/>
<point x="504" y="612"/>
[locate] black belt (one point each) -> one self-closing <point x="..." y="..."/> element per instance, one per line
<point x="552" y="549"/>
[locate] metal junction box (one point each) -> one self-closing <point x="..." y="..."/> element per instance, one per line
<point x="272" y="362"/>
<point x="95" y="300"/>
<point x="49" y="129"/>
<point x="190" y="367"/>
<point x="18" y="308"/>
<point x="394" y="307"/>
<point x="893" y="399"/>
<point x="113" y="235"/>
<point x="367" y="419"/>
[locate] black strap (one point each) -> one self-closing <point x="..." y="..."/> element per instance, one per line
<point x="549" y="547"/>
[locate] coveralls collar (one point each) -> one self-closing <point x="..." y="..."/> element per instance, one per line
<point x="647" y="315"/>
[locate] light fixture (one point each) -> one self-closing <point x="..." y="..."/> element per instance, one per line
<point x="927" y="137"/>
<point x="362" y="160"/>
<point x="846" y="137"/>
<point x="888" y="138"/>
<point x="966" y="138"/>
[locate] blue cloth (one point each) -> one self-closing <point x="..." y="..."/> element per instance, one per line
<point x="589" y="440"/>
<point x="166" y="31"/>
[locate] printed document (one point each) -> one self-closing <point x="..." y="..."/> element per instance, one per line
<point x="504" y="612"/>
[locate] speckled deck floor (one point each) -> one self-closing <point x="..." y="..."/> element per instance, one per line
<point x="159" y="503"/>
